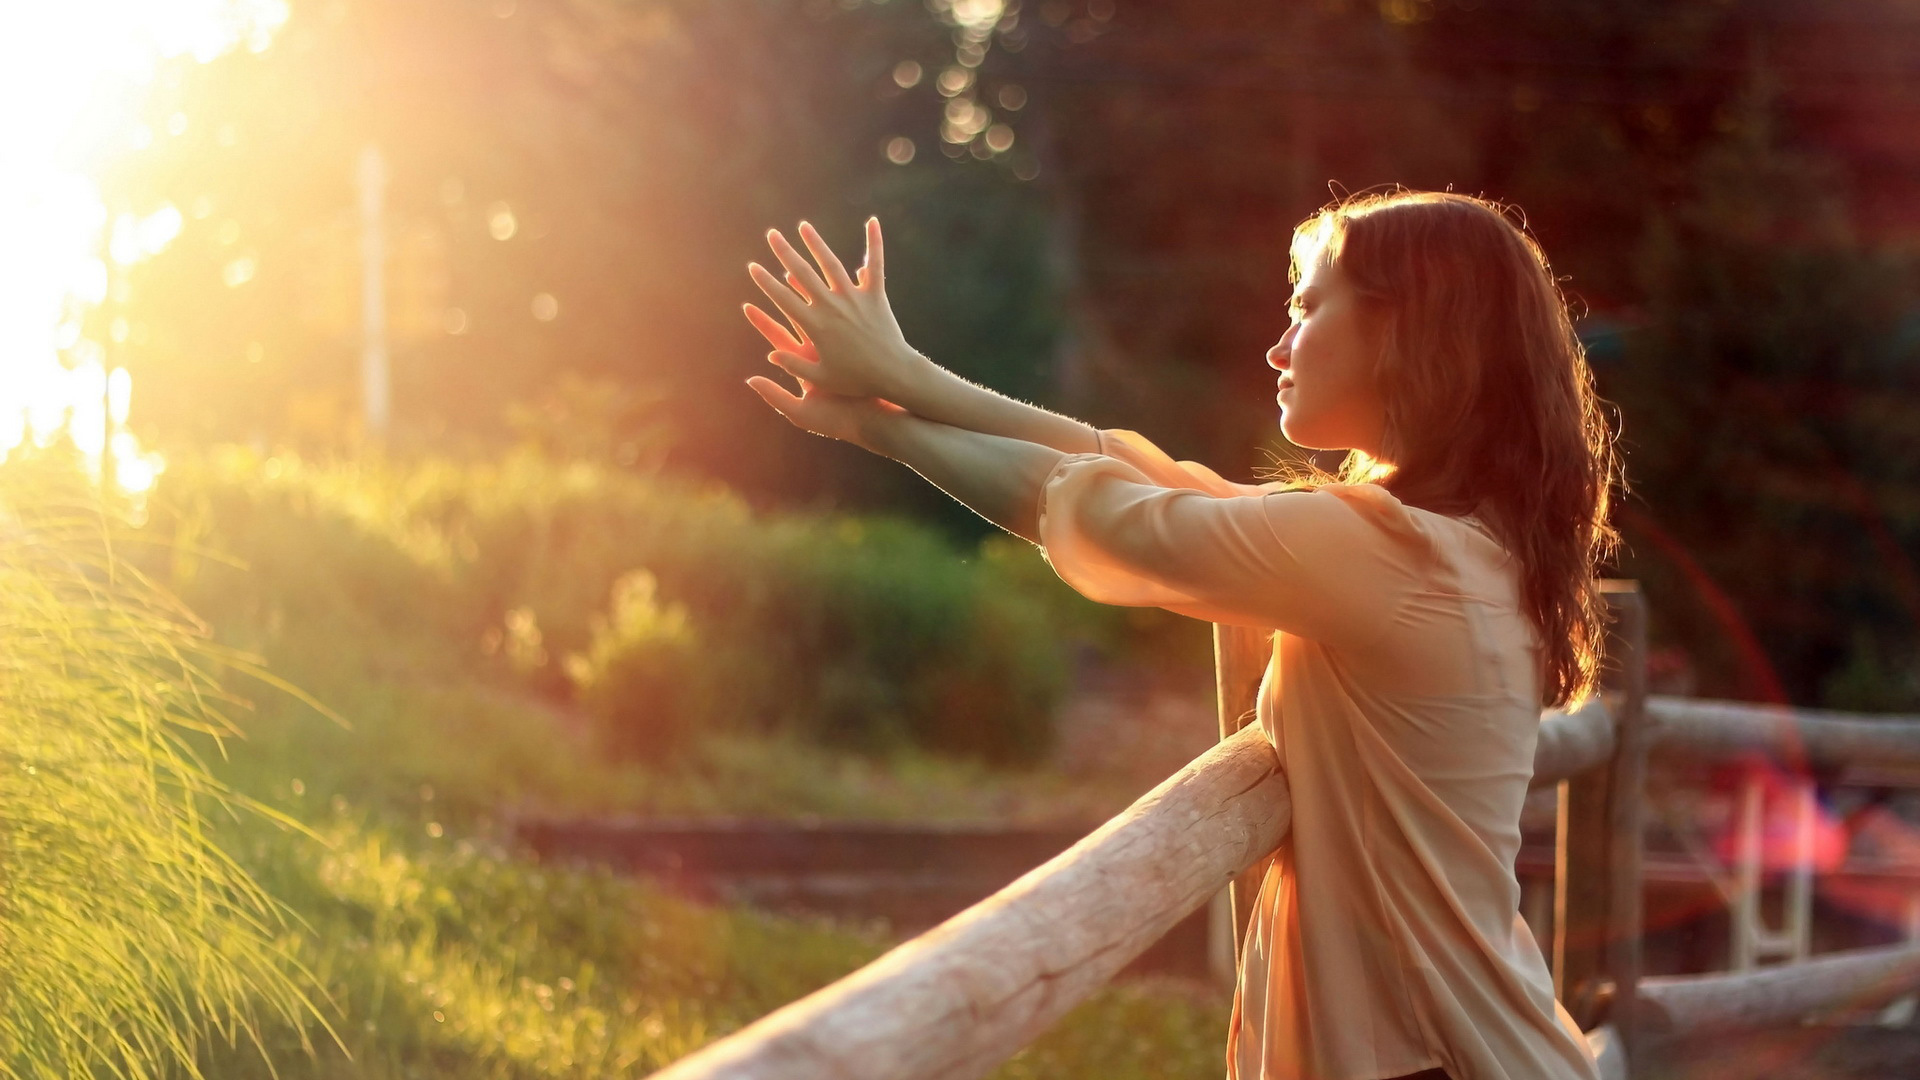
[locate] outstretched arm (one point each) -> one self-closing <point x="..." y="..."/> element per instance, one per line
<point x="997" y="477"/>
<point x="845" y="340"/>
<point x="1331" y="565"/>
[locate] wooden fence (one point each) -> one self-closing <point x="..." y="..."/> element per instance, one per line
<point x="961" y="998"/>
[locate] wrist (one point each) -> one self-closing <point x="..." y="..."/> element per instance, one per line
<point x="879" y="430"/>
<point x="912" y="381"/>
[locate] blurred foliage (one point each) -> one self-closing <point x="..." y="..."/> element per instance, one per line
<point x="619" y="158"/>
<point x="128" y="935"/>
<point x="638" y="677"/>
<point x="1776" y="517"/>
<point x="864" y="633"/>
<point x="1727" y="188"/>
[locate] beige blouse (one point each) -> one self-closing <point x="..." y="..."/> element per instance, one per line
<point x="1403" y="701"/>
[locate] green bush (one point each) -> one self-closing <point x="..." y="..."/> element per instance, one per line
<point x="872" y="634"/>
<point x="641" y="679"/>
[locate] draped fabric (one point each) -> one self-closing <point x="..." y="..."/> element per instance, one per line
<point x="1403" y="701"/>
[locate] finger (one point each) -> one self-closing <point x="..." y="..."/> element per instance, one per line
<point x="873" y="274"/>
<point x="830" y="266"/>
<point x="773" y="329"/>
<point x="796" y="264"/>
<point x="790" y="304"/>
<point x="807" y="371"/>
<point x="775" y="395"/>
<point x="795" y="284"/>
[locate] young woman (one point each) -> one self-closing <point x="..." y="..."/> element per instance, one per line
<point x="1426" y="603"/>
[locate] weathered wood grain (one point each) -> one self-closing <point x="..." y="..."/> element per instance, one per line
<point x="1695" y="1005"/>
<point x="1571" y="743"/>
<point x="1815" y="738"/>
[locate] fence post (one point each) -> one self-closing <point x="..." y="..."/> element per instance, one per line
<point x="1597" y="880"/>
<point x="1240" y="658"/>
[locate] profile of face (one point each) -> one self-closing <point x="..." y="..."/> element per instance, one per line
<point x="1329" y="399"/>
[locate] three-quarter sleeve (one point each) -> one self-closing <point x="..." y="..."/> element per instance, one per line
<point x="1160" y="467"/>
<point x="1331" y="564"/>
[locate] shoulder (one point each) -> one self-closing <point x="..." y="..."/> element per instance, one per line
<point x="1355" y="512"/>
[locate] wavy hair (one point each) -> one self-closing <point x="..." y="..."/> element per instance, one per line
<point x="1491" y="409"/>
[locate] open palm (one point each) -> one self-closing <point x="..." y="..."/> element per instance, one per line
<point x="840" y="334"/>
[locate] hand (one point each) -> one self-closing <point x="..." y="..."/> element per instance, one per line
<point x="844" y="338"/>
<point x="837" y="416"/>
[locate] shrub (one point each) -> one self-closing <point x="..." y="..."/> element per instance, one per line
<point x="639" y="680"/>
<point x="860" y="632"/>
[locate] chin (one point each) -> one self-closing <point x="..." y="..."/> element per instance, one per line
<point x="1299" y="434"/>
<point x="1305" y="438"/>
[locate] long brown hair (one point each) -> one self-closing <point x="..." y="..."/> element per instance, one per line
<point x="1490" y="403"/>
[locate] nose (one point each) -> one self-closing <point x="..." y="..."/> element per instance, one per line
<point x="1280" y="357"/>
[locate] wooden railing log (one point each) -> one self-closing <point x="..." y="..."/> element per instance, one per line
<point x="1571" y="743"/>
<point x="959" y="999"/>
<point x="1818" y="738"/>
<point x="1674" y="1006"/>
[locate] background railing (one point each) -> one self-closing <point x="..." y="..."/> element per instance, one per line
<point x="959" y="999"/>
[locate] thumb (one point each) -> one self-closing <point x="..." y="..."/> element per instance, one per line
<point x="774" y="394"/>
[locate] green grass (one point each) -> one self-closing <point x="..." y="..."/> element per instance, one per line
<point x="128" y="934"/>
<point x="449" y="957"/>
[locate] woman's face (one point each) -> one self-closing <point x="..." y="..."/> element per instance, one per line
<point x="1328" y="398"/>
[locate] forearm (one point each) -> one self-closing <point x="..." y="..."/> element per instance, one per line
<point x="997" y="477"/>
<point x="930" y="391"/>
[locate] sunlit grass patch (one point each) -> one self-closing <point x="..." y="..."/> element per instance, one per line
<point x="128" y="936"/>
<point x="452" y="958"/>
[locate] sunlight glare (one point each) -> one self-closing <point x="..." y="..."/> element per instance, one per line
<point x="73" y="79"/>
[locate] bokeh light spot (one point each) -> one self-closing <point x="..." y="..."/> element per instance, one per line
<point x="239" y="271"/>
<point x="953" y="80"/>
<point x="501" y="224"/>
